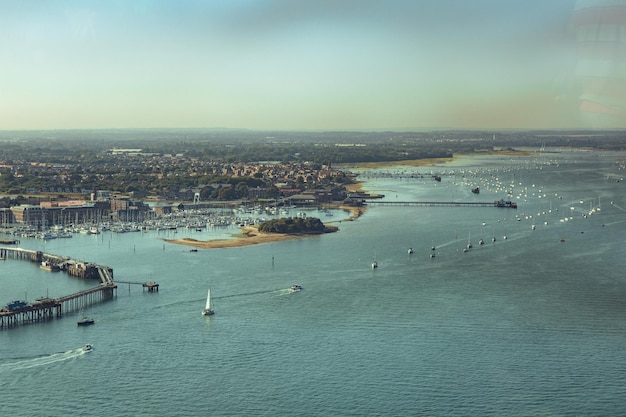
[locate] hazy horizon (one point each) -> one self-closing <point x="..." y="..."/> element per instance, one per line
<point x="318" y="65"/>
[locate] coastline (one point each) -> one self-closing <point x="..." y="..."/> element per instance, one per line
<point x="250" y="235"/>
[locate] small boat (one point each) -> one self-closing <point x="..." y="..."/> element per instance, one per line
<point x="49" y="266"/>
<point x="374" y="262"/>
<point x="296" y="287"/>
<point x="85" y="321"/>
<point x="208" y="309"/>
<point x="87" y="348"/>
<point x="410" y="251"/>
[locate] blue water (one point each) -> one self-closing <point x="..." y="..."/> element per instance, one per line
<point x="530" y="325"/>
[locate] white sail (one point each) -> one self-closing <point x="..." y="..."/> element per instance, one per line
<point x="208" y="301"/>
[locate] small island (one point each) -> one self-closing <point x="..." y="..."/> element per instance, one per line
<point x="296" y="225"/>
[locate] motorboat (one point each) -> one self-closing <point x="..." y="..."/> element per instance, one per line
<point x="88" y="347"/>
<point x="85" y="321"/>
<point x="296" y="287"/>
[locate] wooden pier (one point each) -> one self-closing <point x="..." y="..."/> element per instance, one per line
<point x="151" y="286"/>
<point x="44" y="309"/>
<point x="41" y="310"/>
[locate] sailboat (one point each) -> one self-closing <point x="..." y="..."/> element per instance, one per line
<point x="208" y="309"/>
<point x="374" y="262"/>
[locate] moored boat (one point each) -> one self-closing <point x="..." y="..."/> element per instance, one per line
<point x="49" y="266"/>
<point x="85" y="321"/>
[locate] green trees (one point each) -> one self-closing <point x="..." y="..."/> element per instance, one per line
<point x="294" y="225"/>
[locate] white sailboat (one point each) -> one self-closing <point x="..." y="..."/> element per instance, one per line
<point x="208" y="309"/>
<point x="374" y="262"/>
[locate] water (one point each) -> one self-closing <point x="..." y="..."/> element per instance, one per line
<point x="530" y="325"/>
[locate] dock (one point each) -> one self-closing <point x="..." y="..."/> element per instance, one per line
<point x="44" y="309"/>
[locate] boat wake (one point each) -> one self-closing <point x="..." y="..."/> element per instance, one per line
<point x="283" y="291"/>
<point x="616" y="206"/>
<point x="44" y="360"/>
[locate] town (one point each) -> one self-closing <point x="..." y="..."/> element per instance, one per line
<point x="84" y="180"/>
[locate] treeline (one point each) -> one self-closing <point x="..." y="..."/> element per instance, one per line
<point x="295" y="225"/>
<point x="88" y="148"/>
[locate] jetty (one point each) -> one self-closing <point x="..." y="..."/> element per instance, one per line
<point x="150" y="286"/>
<point x="497" y="203"/>
<point x="46" y="308"/>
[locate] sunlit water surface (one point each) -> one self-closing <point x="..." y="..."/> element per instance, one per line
<point x="528" y="325"/>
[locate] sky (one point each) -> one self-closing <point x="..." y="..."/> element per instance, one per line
<point x="299" y="65"/>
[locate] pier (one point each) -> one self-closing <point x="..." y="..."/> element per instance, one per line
<point x="150" y="286"/>
<point x="498" y="203"/>
<point x="44" y="309"/>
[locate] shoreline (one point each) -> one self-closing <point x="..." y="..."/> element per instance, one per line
<point x="250" y="235"/>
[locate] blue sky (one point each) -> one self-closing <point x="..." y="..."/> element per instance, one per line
<point x="287" y="64"/>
